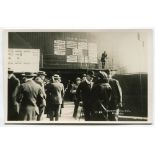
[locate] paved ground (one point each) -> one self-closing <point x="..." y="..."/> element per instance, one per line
<point x="67" y="113"/>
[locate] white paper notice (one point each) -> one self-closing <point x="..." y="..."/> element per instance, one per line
<point x="24" y="60"/>
<point x="71" y="58"/>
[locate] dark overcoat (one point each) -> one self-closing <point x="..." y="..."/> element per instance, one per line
<point x="116" y="96"/>
<point x="100" y="96"/>
<point x="13" y="84"/>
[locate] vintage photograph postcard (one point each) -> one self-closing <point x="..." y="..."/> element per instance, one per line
<point x="78" y="76"/>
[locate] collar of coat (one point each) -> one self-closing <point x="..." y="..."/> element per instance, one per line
<point x="27" y="80"/>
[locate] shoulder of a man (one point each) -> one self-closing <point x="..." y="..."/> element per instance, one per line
<point x="32" y="83"/>
<point x="37" y="86"/>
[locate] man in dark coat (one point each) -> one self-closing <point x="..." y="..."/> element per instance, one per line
<point x="13" y="84"/>
<point x="116" y="98"/>
<point x="84" y="93"/>
<point x="103" y="59"/>
<point x="30" y="97"/>
<point x="100" y="97"/>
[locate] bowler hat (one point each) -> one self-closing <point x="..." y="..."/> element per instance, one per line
<point x="41" y="73"/>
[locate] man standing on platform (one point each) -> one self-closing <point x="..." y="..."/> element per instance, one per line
<point x="103" y="59"/>
<point x="13" y="107"/>
<point x="84" y="93"/>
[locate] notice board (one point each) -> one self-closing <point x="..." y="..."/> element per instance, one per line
<point x="24" y="60"/>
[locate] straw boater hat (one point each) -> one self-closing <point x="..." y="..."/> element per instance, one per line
<point x="56" y="76"/>
<point x="28" y="74"/>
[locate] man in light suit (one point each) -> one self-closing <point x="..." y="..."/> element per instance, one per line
<point x="30" y="96"/>
<point x="116" y="98"/>
<point x="55" y="94"/>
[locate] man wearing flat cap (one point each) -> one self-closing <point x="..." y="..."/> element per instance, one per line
<point x="84" y="93"/>
<point x="30" y="96"/>
<point x="13" y="84"/>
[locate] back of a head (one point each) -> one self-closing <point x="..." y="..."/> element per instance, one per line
<point x="102" y="77"/>
<point x="56" y="78"/>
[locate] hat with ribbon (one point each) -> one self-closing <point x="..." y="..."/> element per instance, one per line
<point x="56" y="76"/>
<point x="29" y="74"/>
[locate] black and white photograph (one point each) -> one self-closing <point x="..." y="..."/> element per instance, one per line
<point x="78" y="76"/>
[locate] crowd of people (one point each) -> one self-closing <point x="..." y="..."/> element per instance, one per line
<point x="98" y="95"/>
<point x="31" y="99"/>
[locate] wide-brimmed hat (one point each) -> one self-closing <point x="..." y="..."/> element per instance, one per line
<point x="10" y="70"/>
<point x="91" y="73"/>
<point x="29" y="74"/>
<point x="41" y="73"/>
